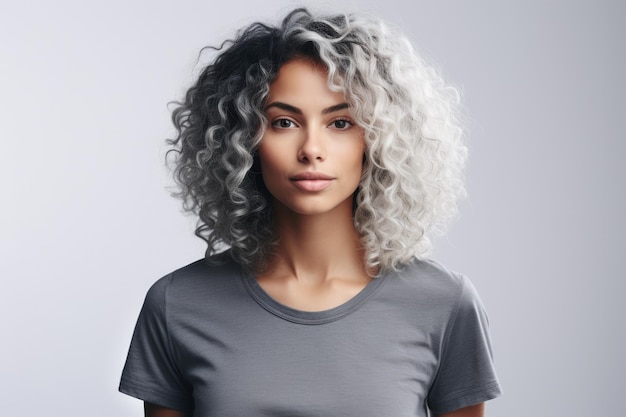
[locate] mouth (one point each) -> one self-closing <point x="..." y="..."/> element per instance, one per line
<point x="309" y="175"/>
<point x="312" y="181"/>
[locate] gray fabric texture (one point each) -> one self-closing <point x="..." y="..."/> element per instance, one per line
<point x="211" y="342"/>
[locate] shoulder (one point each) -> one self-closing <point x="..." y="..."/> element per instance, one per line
<point x="431" y="279"/>
<point x="430" y="290"/>
<point x="200" y="277"/>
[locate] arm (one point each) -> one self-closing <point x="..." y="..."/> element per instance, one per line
<point x="477" y="410"/>
<point x="152" y="410"/>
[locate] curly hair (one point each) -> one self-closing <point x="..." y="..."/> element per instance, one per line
<point x="413" y="168"/>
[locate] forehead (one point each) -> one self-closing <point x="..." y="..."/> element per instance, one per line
<point x="301" y="81"/>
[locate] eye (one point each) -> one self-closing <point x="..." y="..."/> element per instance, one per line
<point x="283" y="124"/>
<point x="341" y="124"/>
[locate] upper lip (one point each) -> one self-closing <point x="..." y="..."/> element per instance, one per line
<point x="308" y="175"/>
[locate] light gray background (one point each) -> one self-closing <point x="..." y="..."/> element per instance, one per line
<point x="86" y="225"/>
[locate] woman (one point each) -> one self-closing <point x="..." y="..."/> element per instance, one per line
<point x="323" y="153"/>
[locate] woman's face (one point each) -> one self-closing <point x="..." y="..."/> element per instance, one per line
<point x="312" y="151"/>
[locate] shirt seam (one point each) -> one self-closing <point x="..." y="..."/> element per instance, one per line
<point x="484" y="392"/>
<point x="448" y="331"/>
<point x="265" y="301"/>
<point x="133" y="386"/>
<point x="170" y="342"/>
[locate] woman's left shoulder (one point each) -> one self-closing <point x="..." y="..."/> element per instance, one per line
<point x="428" y="273"/>
<point x="428" y="281"/>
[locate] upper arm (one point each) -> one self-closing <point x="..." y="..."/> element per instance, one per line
<point x="466" y="374"/>
<point x="477" y="410"/>
<point x="152" y="410"/>
<point x="152" y="371"/>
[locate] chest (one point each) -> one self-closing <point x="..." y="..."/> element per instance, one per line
<point x="362" y="365"/>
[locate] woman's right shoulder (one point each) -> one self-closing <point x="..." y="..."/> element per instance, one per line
<point x="197" y="277"/>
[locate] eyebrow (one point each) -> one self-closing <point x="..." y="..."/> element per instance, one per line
<point x="293" y="109"/>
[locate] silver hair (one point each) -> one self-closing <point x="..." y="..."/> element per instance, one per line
<point x="413" y="168"/>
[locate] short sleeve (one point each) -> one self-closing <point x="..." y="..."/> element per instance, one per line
<point x="466" y="375"/>
<point x="151" y="372"/>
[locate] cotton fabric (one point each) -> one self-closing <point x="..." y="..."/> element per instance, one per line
<point x="211" y="342"/>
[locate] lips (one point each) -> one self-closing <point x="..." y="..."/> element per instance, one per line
<point x="312" y="181"/>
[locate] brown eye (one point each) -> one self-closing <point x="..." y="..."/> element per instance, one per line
<point x="341" y="124"/>
<point x="283" y="124"/>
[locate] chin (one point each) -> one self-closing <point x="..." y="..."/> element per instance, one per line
<point x="314" y="208"/>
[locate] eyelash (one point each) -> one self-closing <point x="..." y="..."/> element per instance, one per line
<point x="276" y="123"/>
<point x="348" y="122"/>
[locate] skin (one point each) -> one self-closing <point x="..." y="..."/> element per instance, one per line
<point x="477" y="410"/>
<point x="152" y="410"/>
<point x="318" y="264"/>
<point x="310" y="129"/>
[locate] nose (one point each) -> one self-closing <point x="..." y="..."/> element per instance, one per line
<point x="313" y="146"/>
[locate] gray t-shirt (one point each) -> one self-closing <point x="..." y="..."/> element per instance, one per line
<point x="211" y="342"/>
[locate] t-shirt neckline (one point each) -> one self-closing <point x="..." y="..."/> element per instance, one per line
<point x="310" y="317"/>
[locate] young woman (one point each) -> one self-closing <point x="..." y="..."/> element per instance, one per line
<point x="323" y="153"/>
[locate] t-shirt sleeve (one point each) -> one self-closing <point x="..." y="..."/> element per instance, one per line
<point x="466" y="375"/>
<point x="151" y="372"/>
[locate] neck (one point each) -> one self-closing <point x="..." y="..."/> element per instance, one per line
<point x="316" y="248"/>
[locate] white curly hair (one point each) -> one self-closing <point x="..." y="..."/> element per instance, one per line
<point x="414" y="131"/>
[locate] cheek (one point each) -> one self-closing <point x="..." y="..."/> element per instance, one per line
<point x="268" y="157"/>
<point x="271" y="160"/>
<point x="356" y="156"/>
